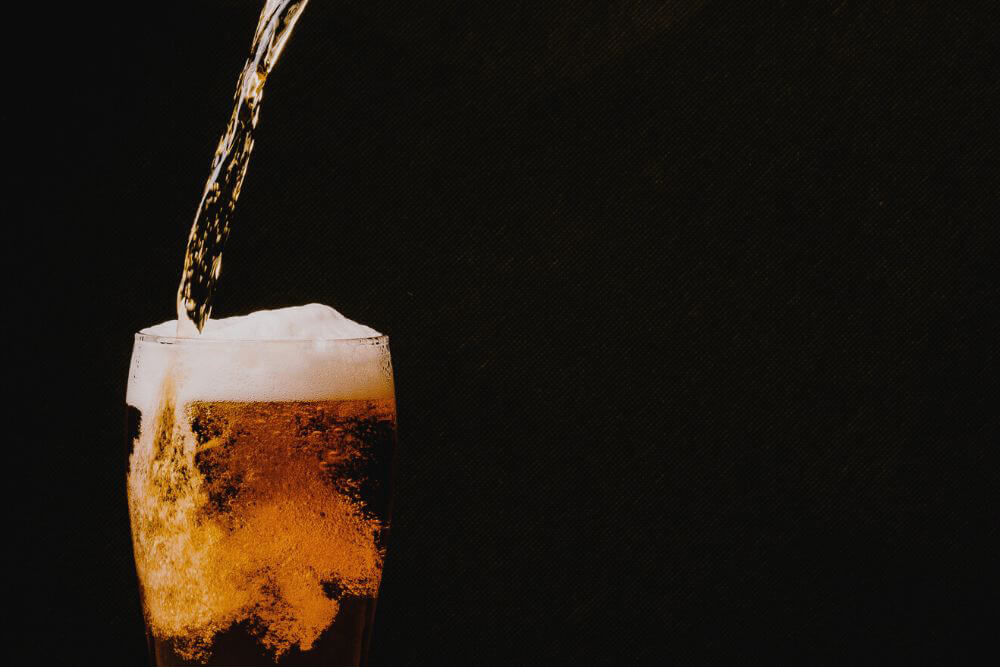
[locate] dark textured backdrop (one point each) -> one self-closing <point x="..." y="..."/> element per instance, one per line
<point x="692" y="308"/>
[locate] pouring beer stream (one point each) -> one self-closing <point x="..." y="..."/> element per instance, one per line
<point x="203" y="258"/>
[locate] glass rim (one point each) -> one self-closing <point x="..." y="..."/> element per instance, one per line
<point x="140" y="337"/>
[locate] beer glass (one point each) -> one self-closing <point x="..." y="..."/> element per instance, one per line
<point x="259" y="490"/>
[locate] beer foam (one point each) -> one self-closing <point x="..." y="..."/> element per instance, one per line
<point x="313" y="321"/>
<point x="303" y="353"/>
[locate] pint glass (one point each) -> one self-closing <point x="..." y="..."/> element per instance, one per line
<point x="259" y="490"/>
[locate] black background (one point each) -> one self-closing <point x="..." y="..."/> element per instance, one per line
<point x="692" y="310"/>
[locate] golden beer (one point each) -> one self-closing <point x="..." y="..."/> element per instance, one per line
<point x="259" y="526"/>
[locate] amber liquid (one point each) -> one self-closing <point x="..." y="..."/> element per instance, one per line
<point x="212" y="220"/>
<point x="260" y="529"/>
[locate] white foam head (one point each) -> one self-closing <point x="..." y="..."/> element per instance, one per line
<point x="309" y="352"/>
<point x="313" y="321"/>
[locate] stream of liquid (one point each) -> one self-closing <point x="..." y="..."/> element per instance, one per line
<point x="203" y="259"/>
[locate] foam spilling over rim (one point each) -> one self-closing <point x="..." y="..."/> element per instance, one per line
<point x="319" y="366"/>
